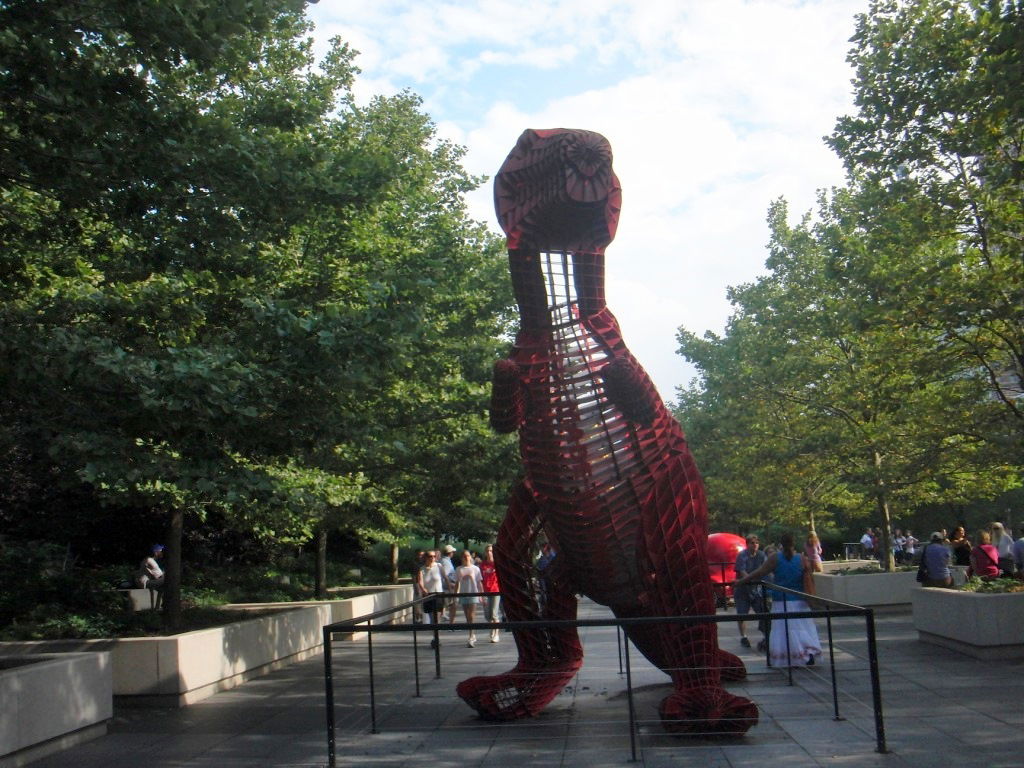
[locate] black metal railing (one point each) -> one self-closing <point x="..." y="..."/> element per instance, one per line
<point x="832" y="610"/>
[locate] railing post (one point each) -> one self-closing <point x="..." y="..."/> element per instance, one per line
<point x="416" y="655"/>
<point x="373" y="697"/>
<point x="765" y="608"/>
<point x="789" y="650"/>
<point x="632" y="708"/>
<point x="876" y="688"/>
<point x="436" y="643"/>
<point x="329" y="690"/>
<point x="832" y="664"/>
<point x="619" y="631"/>
<point x="725" y="592"/>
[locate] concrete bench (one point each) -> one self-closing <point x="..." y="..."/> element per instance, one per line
<point x="142" y="599"/>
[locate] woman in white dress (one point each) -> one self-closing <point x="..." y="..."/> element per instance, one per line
<point x="793" y="642"/>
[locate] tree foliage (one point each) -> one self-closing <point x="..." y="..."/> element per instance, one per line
<point x="938" y="139"/>
<point x="878" y="363"/>
<point x="224" y="285"/>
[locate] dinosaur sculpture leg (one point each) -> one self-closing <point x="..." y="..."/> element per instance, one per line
<point x="674" y="533"/>
<point x="548" y="658"/>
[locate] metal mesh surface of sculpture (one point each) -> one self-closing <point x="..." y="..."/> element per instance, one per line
<point x="609" y="480"/>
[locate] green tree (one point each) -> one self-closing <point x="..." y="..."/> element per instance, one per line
<point x="759" y="455"/>
<point x="221" y="282"/>
<point x="848" y="392"/>
<point x="888" y="336"/>
<point x="937" y="137"/>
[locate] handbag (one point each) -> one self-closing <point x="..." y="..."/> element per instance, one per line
<point x="922" y="570"/>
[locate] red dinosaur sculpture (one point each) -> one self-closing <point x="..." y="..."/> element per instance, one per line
<point x="609" y="480"/>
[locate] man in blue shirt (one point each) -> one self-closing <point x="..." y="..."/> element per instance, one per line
<point x="547" y="554"/>
<point x="1018" y="553"/>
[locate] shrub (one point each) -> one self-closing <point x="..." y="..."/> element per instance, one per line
<point x="994" y="587"/>
<point x="870" y="569"/>
<point x="40" y="583"/>
<point x="46" y="596"/>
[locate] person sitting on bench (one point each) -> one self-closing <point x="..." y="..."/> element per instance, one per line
<point x="151" y="575"/>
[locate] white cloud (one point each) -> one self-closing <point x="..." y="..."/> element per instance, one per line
<point x="542" y="57"/>
<point x="712" y="109"/>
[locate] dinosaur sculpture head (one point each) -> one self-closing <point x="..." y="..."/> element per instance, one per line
<point x="556" y="191"/>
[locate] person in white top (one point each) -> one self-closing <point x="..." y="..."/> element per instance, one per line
<point x="910" y="547"/>
<point x="444" y="559"/>
<point x="430" y="581"/>
<point x="1003" y="542"/>
<point x="469" y="580"/>
<point x="867" y="545"/>
<point x="150" y="574"/>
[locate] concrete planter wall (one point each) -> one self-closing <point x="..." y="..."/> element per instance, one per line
<point x="978" y="625"/>
<point x="362" y="603"/>
<point x="49" y="702"/>
<point x="182" y="669"/>
<point x="868" y="589"/>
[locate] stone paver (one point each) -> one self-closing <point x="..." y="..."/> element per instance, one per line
<point x="933" y="699"/>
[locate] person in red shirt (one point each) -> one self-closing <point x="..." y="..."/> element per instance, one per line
<point x="490" y="578"/>
<point x="984" y="558"/>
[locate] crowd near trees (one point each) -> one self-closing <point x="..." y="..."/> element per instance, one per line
<point x="876" y="369"/>
<point x="230" y="294"/>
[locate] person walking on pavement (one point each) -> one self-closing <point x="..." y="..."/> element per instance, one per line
<point x="749" y="596"/>
<point x="430" y="581"/>
<point x="448" y="567"/>
<point x="468" y="583"/>
<point x="489" y="573"/>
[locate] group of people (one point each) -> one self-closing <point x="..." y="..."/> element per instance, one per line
<point x="789" y="641"/>
<point x="903" y="544"/>
<point x="760" y="578"/>
<point x="991" y="555"/>
<point x="450" y="586"/>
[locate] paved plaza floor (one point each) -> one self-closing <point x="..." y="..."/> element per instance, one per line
<point x="940" y="708"/>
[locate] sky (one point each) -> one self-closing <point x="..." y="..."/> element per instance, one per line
<point x="713" y="108"/>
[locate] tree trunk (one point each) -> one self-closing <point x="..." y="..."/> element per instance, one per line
<point x="320" y="587"/>
<point x="882" y="502"/>
<point x="394" y="563"/>
<point x="172" y="574"/>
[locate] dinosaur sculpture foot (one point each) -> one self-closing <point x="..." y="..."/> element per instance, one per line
<point x="730" y="667"/>
<point x="707" y="712"/>
<point x="521" y="692"/>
